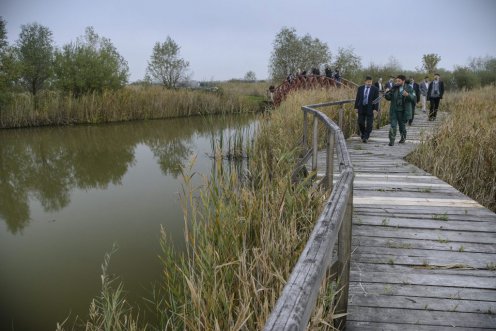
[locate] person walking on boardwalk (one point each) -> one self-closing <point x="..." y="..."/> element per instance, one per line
<point x="423" y="88"/>
<point x="401" y="97"/>
<point x="435" y="94"/>
<point x="416" y="89"/>
<point x="390" y="82"/>
<point x="380" y="87"/>
<point x="365" y="107"/>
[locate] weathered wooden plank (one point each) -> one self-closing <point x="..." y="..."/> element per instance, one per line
<point x="421" y="317"/>
<point x="426" y="260"/>
<point x="415" y="252"/>
<point x="421" y="257"/>
<point x="416" y="191"/>
<point x="413" y="201"/>
<point x="439" y="235"/>
<point x="453" y="269"/>
<point x="413" y="212"/>
<point x="422" y="303"/>
<point x="422" y="244"/>
<point x="429" y="178"/>
<point x="426" y="215"/>
<point x="442" y="222"/>
<point x="446" y="292"/>
<point x="373" y="326"/>
<point x="422" y="190"/>
<point x="426" y="280"/>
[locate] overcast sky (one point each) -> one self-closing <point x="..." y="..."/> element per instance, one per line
<point x="223" y="39"/>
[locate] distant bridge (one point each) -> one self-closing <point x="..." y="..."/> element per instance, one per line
<point x="298" y="82"/>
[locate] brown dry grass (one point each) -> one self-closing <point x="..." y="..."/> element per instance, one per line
<point x="462" y="151"/>
<point x="130" y="103"/>
<point x="245" y="237"/>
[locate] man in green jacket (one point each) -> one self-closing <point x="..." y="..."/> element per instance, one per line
<point x="402" y="97"/>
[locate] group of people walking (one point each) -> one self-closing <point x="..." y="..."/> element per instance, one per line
<point x="404" y="94"/>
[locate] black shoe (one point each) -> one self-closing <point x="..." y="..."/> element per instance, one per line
<point x="402" y="141"/>
<point x="391" y="144"/>
<point x="364" y="140"/>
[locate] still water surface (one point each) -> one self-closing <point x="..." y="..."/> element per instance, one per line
<point x="68" y="194"/>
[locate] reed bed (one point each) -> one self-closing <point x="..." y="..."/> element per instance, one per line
<point x="255" y="89"/>
<point x="130" y="103"/>
<point x="462" y="151"/>
<point x="243" y="233"/>
<point x="244" y="236"/>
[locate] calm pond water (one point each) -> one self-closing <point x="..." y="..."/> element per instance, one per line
<point x="68" y="194"/>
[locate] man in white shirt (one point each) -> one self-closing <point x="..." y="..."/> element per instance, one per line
<point x="424" y="87"/>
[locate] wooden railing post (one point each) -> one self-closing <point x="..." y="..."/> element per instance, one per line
<point x="344" y="255"/>
<point x="315" y="142"/>
<point x="330" y="160"/>
<point x="341" y="115"/>
<point x="305" y="125"/>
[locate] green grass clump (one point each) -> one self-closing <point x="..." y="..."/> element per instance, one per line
<point x="109" y="310"/>
<point x="462" y="151"/>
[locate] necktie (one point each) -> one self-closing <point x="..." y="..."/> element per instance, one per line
<point x="366" y="96"/>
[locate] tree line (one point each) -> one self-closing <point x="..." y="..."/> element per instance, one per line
<point x="89" y="64"/>
<point x="292" y="54"/>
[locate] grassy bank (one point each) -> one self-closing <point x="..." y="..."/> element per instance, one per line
<point x="129" y="103"/>
<point x="462" y="151"/>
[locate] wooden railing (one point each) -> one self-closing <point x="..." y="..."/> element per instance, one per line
<point x="297" y="301"/>
<point x="279" y="93"/>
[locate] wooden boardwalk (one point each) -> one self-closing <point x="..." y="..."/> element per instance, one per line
<point x="424" y="254"/>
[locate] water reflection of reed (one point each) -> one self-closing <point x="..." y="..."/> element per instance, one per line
<point x="48" y="163"/>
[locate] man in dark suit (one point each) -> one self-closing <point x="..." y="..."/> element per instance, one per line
<point x="390" y="82"/>
<point x="435" y="94"/>
<point x="365" y="107"/>
<point x="416" y="89"/>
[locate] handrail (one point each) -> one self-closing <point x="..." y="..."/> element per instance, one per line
<point x="305" y="81"/>
<point x="297" y="301"/>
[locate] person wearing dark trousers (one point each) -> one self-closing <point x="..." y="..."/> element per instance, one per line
<point x="365" y="107"/>
<point x="401" y="97"/>
<point x="416" y="89"/>
<point x="435" y="94"/>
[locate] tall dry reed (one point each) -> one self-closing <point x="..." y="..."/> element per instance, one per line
<point x="462" y="150"/>
<point x="244" y="237"/>
<point x="130" y="103"/>
<point x="109" y="310"/>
